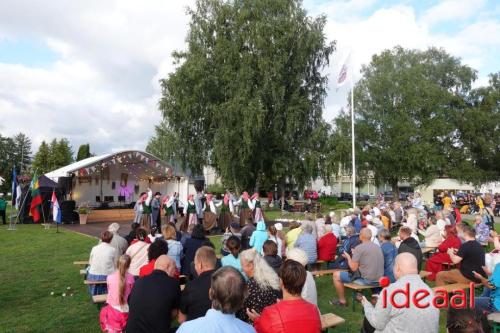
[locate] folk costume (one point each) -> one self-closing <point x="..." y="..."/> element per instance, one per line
<point x="146" y="219"/>
<point x="226" y="212"/>
<point x="256" y="207"/>
<point x="168" y="208"/>
<point x="190" y="210"/>
<point x="245" y="210"/>
<point x="209" y="213"/>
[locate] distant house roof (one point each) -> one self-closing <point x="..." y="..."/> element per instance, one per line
<point x="140" y="163"/>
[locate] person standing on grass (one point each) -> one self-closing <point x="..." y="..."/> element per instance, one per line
<point x="3" y="207"/>
<point x="113" y="317"/>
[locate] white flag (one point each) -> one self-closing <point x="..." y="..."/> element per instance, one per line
<point x="343" y="74"/>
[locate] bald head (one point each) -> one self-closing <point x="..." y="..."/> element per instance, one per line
<point x="166" y="264"/>
<point x="405" y="264"/>
<point x="365" y="235"/>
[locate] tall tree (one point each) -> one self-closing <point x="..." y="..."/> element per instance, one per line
<point x="83" y="152"/>
<point x="42" y="159"/>
<point x="62" y="153"/>
<point x="6" y="162"/>
<point x="405" y="110"/>
<point x="247" y="95"/>
<point x="21" y="151"/>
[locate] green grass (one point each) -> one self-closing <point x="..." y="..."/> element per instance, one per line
<point x="35" y="262"/>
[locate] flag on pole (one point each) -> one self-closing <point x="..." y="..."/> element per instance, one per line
<point x="36" y="199"/>
<point x="14" y="187"/>
<point x="56" y="210"/>
<point x="343" y="74"/>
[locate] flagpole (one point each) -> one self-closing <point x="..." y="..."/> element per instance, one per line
<point x="352" y="142"/>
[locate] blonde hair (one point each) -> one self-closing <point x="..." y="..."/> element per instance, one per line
<point x="264" y="275"/>
<point x="123" y="265"/>
<point x="168" y="232"/>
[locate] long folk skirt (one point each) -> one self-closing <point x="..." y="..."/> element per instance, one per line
<point x="244" y="214"/>
<point x="209" y="220"/>
<point x="192" y="219"/>
<point x="259" y="216"/>
<point x="225" y="219"/>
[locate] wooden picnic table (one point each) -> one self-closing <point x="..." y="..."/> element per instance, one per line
<point x="81" y="263"/>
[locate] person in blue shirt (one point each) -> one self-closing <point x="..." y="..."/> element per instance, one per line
<point x="227" y="293"/>
<point x="233" y="244"/>
<point x="259" y="236"/>
<point x="491" y="303"/>
<point x="390" y="252"/>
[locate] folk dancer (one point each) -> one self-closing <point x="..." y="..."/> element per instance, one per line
<point x="190" y="210"/>
<point x="209" y="213"/>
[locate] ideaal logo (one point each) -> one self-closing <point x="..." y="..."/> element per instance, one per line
<point x="419" y="298"/>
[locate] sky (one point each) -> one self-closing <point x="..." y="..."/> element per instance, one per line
<point x="89" y="70"/>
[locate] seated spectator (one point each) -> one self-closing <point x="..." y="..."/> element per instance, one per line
<point x="310" y="221"/>
<point x="293" y="233"/>
<point x="345" y="221"/>
<point x="154" y="300"/>
<point x="436" y="261"/>
<point x="412" y="220"/>
<point x="193" y="243"/>
<point x="186" y="234"/>
<point x="367" y="263"/>
<point x="432" y="235"/>
<point x="388" y="318"/>
<point x="307" y="242"/>
<point x="232" y="230"/>
<point x="466" y="321"/>
<point x="113" y="317"/>
<point x="282" y="236"/>
<point x="373" y="229"/>
<point x="138" y="252"/>
<point x="470" y="256"/>
<point x="271" y="255"/>
<point x="293" y="314"/>
<point x="227" y="292"/>
<point x="389" y="251"/>
<point x="409" y="244"/>
<point x="320" y="225"/>
<point x="259" y="236"/>
<point x="490" y="300"/>
<point x="349" y="243"/>
<point x="118" y="242"/>
<point x="233" y="258"/>
<point x="263" y="283"/>
<point x="194" y="298"/>
<point x="335" y="227"/>
<point x="327" y="245"/>
<point x="174" y="246"/>
<point x="246" y="233"/>
<point x="440" y="221"/>
<point x="273" y="236"/>
<point x="101" y="263"/>
<point x="482" y="230"/>
<point x="131" y="235"/>
<point x="309" y="292"/>
<point x="158" y="248"/>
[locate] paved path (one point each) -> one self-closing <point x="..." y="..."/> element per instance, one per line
<point x="95" y="228"/>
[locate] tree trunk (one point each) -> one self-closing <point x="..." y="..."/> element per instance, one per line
<point x="283" y="194"/>
<point x="395" y="190"/>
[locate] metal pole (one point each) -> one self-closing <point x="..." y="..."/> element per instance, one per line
<point x="352" y="142"/>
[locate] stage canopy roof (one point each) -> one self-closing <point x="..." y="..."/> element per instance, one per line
<point x="139" y="164"/>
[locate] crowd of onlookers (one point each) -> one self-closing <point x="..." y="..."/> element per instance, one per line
<point x="262" y="281"/>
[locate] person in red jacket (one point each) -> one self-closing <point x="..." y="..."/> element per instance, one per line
<point x="327" y="245"/>
<point x="292" y="314"/>
<point x="435" y="263"/>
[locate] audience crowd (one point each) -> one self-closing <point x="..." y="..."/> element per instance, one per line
<point x="262" y="281"/>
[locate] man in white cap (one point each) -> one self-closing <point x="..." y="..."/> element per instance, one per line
<point x="118" y="242"/>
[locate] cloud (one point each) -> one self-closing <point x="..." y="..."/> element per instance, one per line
<point x="103" y="88"/>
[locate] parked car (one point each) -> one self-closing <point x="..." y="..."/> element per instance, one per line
<point x="344" y="196"/>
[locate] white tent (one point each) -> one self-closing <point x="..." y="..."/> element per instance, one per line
<point x="443" y="184"/>
<point x="117" y="179"/>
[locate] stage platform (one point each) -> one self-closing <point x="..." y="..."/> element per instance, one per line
<point x="95" y="229"/>
<point x="111" y="215"/>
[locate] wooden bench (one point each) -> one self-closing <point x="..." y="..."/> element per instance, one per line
<point x="93" y="283"/>
<point x="83" y="272"/>
<point x="450" y="288"/>
<point x="327" y="271"/>
<point x="99" y="298"/>
<point x="330" y="320"/>
<point x="357" y="287"/>
<point x="81" y="263"/>
<point x="428" y="249"/>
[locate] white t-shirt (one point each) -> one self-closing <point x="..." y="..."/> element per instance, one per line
<point x="139" y="254"/>
<point x="309" y="292"/>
